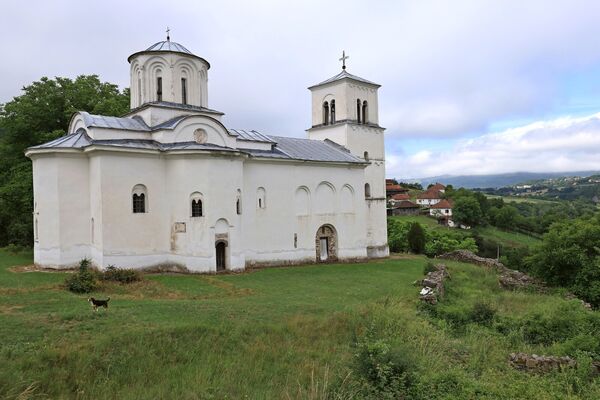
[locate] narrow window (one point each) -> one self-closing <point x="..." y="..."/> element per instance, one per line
<point x="365" y="112"/>
<point x="295" y="240"/>
<point x="238" y="207"/>
<point x="366" y="156"/>
<point x="332" y="112"/>
<point x="159" y="89"/>
<point x="184" y="90"/>
<point x="36" y="232"/>
<point x="139" y="91"/>
<point x="358" y="110"/>
<point x="367" y="190"/>
<point x="139" y="203"/>
<point x="325" y="113"/>
<point x="196" y="208"/>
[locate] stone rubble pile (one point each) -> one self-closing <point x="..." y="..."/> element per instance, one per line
<point x="535" y="363"/>
<point x="433" y="285"/>
<point x="509" y="279"/>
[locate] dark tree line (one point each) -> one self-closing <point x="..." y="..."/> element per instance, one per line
<point x="40" y="114"/>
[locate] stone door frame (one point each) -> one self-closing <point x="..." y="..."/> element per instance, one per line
<point x="327" y="231"/>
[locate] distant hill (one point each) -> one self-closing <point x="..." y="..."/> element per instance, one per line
<point x="497" y="180"/>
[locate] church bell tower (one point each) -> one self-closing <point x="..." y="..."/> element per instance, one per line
<point x="345" y="110"/>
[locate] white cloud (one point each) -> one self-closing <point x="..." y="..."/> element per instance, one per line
<point x="563" y="144"/>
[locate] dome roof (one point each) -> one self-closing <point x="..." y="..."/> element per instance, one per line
<point x="167" y="46"/>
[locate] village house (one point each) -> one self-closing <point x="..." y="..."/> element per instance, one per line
<point x="404" y="207"/>
<point x="443" y="208"/>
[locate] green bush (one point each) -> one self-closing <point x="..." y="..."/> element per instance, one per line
<point x="416" y="238"/>
<point x="482" y="313"/>
<point x="429" y="267"/>
<point x="122" y="275"/>
<point x="384" y="371"/>
<point x="83" y="281"/>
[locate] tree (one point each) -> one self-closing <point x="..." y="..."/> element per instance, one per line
<point x="467" y="211"/>
<point x="416" y="238"/>
<point x="569" y="256"/>
<point x="40" y="114"/>
<point x="506" y="217"/>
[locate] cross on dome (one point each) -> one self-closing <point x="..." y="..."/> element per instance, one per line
<point x="168" y="37"/>
<point x="343" y="59"/>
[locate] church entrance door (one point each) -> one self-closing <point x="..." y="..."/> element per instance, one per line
<point x="221" y="256"/>
<point x="326" y="243"/>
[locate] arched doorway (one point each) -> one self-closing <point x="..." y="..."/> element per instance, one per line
<point x="221" y="252"/>
<point x="326" y="244"/>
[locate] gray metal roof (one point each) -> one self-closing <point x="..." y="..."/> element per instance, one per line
<point x="313" y="150"/>
<point x="167" y="45"/>
<point x="180" y="106"/>
<point x="252" y="135"/>
<point x="286" y="147"/>
<point x="345" y="75"/>
<point x="102" y="121"/>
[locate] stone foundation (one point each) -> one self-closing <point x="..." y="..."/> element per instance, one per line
<point x="433" y="285"/>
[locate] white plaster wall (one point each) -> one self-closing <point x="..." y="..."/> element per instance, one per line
<point x="269" y="232"/>
<point x="345" y="92"/>
<point x="62" y="209"/>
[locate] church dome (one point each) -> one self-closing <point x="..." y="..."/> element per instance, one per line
<point x="167" y="46"/>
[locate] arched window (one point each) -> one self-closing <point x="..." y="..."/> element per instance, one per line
<point x="196" y="208"/>
<point x="159" y="89"/>
<point x="261" y="196"/>
<point x="139" y="198"/>
<point x="358" y="110"/>
<point x="325" y="113"/>
<point x="367" y="190"/>
<point x="366" y="156"/>
<point x="183" y="90"/>
<point x="238" y="202"/>
<point x="332" y="119"/>
<point x="365" y="112"/>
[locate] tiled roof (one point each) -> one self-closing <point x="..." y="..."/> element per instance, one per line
<point x="401" y="196"/>
<point x="406" y="204"/>
<point x="437" y="186"/>
<point x="429" y="194"/>
<point x="442" y="204"/>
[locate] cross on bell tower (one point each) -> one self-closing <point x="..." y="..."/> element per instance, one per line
<point x="343" y="59"/>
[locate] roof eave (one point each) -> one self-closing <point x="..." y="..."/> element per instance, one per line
<point x="168" y="51"/>
<point x="375" y="85"/>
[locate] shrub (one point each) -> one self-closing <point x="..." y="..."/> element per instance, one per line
<point x="416" y="238"/>
<point x="122" y="275"/>
<point x="482" y="313"/>
<point x="429" y="267"/>
<point x="83" y="281"/>
<point x="385" y="371"/>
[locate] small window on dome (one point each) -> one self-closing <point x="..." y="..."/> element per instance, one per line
<point x="183" y="90"/>
<point x="159" y="89"/>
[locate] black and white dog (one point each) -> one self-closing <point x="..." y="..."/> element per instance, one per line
<point x="98" y="303"/>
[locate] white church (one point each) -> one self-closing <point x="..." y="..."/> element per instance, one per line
<point x="169" y="185"/>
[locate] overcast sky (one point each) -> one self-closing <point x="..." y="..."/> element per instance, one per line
<point x="468" y="87"/>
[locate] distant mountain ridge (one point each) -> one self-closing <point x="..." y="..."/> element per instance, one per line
<point x="497" y="180"/>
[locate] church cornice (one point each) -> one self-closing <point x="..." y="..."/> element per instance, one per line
<point x="346" y="122"/>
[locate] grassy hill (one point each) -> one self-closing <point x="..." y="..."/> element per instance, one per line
<point x="281" y="333"/>
<point x="506" y="238"/>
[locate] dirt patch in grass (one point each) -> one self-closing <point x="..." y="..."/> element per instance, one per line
<point x="9" y="310"/>
<point x="37" y="268"/>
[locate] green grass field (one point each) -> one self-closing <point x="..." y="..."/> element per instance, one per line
<point x="281" y="333"/>
<point x="521" y="199"/>
<point x="509" y="239"/>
